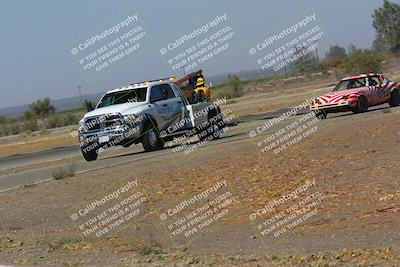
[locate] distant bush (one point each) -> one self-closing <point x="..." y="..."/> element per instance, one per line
<point x="363" y="61"/>
<point x="41" y="108"/>
<point x="232" y="87"/>
<point x="88" y="103"/>
<point x="61" y="120"/>
<point x="52" y="122"/>
<point x="3" y="119"/>
<point x="29" y="122"/>
<point x="13" y="128"/>
<point x="331" y="63"/>
<point x="5" y="129"/>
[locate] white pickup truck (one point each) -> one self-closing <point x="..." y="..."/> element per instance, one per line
<point x="150" y="113"/>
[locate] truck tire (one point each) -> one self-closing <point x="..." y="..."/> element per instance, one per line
<point x="90" y="155"/>
<point x="394" y="100"/>
<point x="151" y="139"/>
<point x="213" y="129"/>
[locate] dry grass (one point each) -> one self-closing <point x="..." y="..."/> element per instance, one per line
<point x="63" y="172"/>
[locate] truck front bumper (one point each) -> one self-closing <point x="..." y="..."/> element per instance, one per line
<point x="110" y="137"/>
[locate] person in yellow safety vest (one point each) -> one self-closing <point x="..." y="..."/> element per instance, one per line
<point x="201" y="90"/>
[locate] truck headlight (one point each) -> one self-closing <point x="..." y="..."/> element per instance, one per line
<point x="131" y="118"/>
<point x="81" y="127"/>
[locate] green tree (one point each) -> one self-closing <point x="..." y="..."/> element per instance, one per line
<point x="305" y="61"/>
<point x="41" y="108"/>
<point x="386" y="21"/>
<point x="334" y="57"/>
<point x="363" y="61"/>
<point x="336" y="52"/>
<point x="351" y="49"/>
<point x="380" y="45"/>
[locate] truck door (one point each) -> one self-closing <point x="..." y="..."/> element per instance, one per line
<point x="166" y="104"/>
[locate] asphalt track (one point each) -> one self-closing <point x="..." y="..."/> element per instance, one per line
<point x="55" y="157"/>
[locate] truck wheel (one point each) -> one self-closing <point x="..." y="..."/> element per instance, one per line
<point x="394" y="100"/>
<point x="212" y="131"/>
<point x="151" y="139"/>
<point x="362" y="104"/>
<point x="90" y="155"/>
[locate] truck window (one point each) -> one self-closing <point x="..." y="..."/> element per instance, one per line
<point x="183" y="98"/>
<point x="156" y="91"/>
<point x="115" y="98"/>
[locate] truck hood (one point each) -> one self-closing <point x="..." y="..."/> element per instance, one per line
<point x="124" y="109"/>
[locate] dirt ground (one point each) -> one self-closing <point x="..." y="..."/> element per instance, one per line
<point x="352" y="160"/>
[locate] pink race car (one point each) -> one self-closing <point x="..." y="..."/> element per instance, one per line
<point x="356" y="94"/>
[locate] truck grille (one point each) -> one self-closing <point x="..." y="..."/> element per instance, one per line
<point x="104" y="122"/>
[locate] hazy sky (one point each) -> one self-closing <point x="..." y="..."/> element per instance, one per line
<point x="36" y="38"/>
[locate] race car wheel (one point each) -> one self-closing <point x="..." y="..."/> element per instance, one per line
<point x="151" y="139"/>
<point x="321" y="114"/>
<point x="362" y="104"/>
<point x="89" y="154"/>
<point x="394" y="100"/>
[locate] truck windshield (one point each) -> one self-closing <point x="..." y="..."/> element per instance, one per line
<point x="115" y="98"/>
